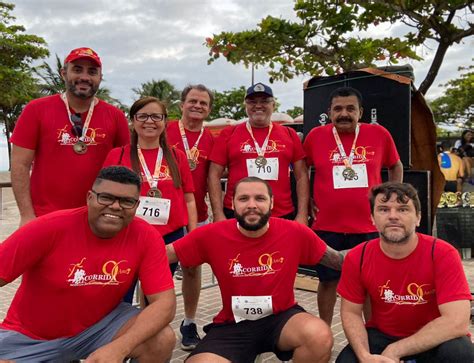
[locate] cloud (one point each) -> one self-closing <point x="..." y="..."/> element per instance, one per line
<point x="140" y="40"/>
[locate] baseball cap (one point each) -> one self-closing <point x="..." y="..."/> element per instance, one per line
<point x="83" y="52"/>
<point x="259" y="88"/>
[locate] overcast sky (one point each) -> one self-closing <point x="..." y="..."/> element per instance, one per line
<point x="140" y="40"/>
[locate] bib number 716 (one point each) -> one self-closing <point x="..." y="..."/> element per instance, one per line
<point x="151" y="212"/>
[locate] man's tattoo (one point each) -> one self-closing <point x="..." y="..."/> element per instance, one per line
<point x="333" y="258"/>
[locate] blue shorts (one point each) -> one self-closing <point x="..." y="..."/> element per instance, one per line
<point x="21" y="348"/>
<point x="242" y="342"/>
<point x="339" y="242"/>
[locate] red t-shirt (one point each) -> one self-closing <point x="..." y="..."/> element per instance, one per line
<point x="71" y="278"/>
<point x="235" y="145"/>
<point x="252" y="266"/>
<point x="60" y="178"/>
<point x="404" y="293"/>
<point x="347" y="210"/>
<point x="200" y="173"/>
<point x="178" y="212"/>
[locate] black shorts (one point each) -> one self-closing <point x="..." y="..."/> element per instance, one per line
<point x="242" y="342"/>
<point x="339" y="242"/>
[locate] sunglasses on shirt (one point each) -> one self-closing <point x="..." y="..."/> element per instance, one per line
<point x="77" y="124"/>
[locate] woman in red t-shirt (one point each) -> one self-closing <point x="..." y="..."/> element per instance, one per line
<point x="166" y="199"/>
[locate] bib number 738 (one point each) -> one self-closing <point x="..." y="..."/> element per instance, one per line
<point x="251" y="307"/>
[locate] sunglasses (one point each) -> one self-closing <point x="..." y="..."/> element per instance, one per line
<point x="77" y="124"/>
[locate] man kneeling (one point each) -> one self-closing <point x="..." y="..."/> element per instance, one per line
<point x="416" y="285"/>
<point x="77" y="265"/>
<point x="255" y="259"/>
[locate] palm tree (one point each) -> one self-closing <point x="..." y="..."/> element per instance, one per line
<point x="164" y="91"/>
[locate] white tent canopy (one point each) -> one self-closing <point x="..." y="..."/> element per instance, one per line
<point x="281" y="117"/>
<point x="220" y="122"/>
<point x="299" y="118"/>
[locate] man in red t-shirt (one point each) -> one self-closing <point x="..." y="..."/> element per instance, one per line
<point x="190" y="136"/>
<point x="255" y="259"/>
<point x="347" y="157"/>
<point x="64" y="139"/>
<point x="76" y="266"/>
<point x="418" y="291"/>
<point x="263" y="149"/>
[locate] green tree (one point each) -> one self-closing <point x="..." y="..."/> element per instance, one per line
<point x="295" y="111"/>
<point x="17" y="51"/>
<point x="51" y="83"/>
<point x="326" y="39"/>
<point x="229" y="104"/>
<point x="456" y="106"/>
<point x="165" y="92"/>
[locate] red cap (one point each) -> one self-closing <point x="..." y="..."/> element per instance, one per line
<point x="79" y="53"/>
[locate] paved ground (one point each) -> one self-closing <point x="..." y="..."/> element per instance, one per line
<point x="210" y="301"/>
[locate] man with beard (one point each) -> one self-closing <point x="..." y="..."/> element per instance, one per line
<point x="190" y="136"/>
<point x="348" y="157"/>
<point x="64" y="138"/>
<point x="416" y="284"/>
<point x="255" y="259"/>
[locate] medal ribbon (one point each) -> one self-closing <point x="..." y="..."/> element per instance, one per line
<point x="189" y="152"/>
<point x="151" y="179"/>
<point x="88" y="117"/>
<point x="260" y="150"/>
<point x="346" y="160"/>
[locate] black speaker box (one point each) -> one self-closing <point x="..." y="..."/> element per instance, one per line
<point x="385" y="101"/>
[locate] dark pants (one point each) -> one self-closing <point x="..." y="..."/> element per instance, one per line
<point x="459" y="350"/>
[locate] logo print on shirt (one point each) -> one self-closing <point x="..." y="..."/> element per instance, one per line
<point x="92" y="137"/>
<point x="109" y="274"/>
<point x="196" y="155"/>
<point x="266" y="264"/>
<point x="416" y="294"/>
<point x="362" y="154"/>
<point x="164" y="173"/>
<point x="248" y="147"/>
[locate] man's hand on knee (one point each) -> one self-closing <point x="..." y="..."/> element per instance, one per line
<point x="107" y="354"/>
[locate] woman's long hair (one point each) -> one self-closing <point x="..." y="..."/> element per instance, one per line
<point x="463" y="137"/>
<point x="167" y="153"/>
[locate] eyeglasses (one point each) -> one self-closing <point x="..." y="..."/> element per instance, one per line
<point x="77" y="124"/>
<point x="109" y="199"/>
<point x="155" y="117"/>
<point x="256" y="101"/>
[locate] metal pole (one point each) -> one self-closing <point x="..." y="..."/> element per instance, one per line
<point x="253" y="71"/>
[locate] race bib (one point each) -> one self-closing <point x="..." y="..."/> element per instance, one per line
<point x="357" y="179"/>
<point x="154" y="210"/>
<point x="251" y="307"/>
<point x="269" y="171"/>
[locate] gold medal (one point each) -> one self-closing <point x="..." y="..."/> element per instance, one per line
<point x="260" y="161"/>
<point x="442" y="200"/>
<point x="154" y="193"/>
<point x="192" y="164"/>
<point x="348" y="174"/>
<point x="453" y="199"/>
<point x="80" y="147"/>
